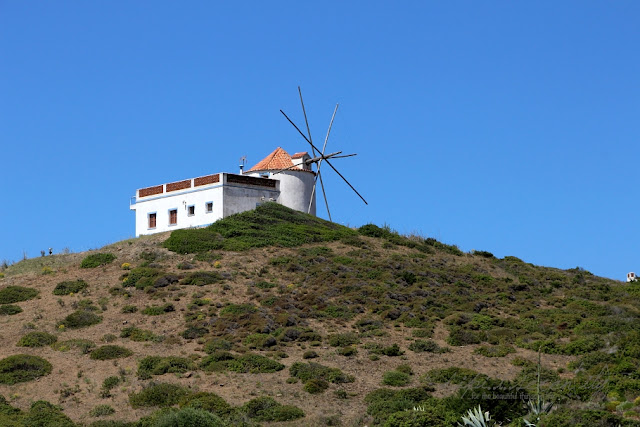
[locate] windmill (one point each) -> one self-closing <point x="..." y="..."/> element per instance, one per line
<point x="320" y="156"/>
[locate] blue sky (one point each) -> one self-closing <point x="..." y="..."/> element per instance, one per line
<point x="504" y="126"/>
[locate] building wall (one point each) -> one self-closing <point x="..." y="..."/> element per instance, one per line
<point x="180" y="200"/>
<point x="295" y="189"/>
<point x="239" y="199"/>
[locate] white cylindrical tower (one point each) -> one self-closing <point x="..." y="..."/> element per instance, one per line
<point x="296" y="183"/>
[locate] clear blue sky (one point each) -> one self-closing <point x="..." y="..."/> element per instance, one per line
<point x="511" y="127"/>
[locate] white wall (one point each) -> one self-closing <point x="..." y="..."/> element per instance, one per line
<point x="295" y="189"/>
<point x="180" y="200"/>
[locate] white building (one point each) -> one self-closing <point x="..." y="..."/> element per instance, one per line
<point x="631" y="277"/>
<point x="201" y="201"/>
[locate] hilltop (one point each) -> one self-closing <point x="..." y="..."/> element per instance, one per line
<point x="273" y="317"/>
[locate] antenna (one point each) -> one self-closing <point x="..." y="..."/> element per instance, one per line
<point x="243" y="161"/>
<point x="318" y="159"/>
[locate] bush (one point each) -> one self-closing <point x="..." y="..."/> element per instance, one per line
<point x="129" y="309"/>
<point x="254" y="363"/>
<point x="22" y="367"/>
<point x="96" y="260"/>
<point x="187" y="417"/>
<point x="315" y="386"/>
<point x="158" y="394"/>
<point x="193" y="332"/>
<point x="494" y="350"/>
<point x="9" y="310"/>
<point x="217" y="344"/>
<point x="266" y="409"/>
<point x="343" y="340"/>
<point x="81" y="319"/>
<point x="201" y="278"/>
<point x="309" y="354"/>
<point x="460" y="336"/>
<point x="108" y="352"/>
<point x="101" y="411"/>
<point x="384" y="402"/>
<point x="37" y="339"/>
<point x="109" y="384"/>
<point x="70" y="287"/>
<point x="392" y="351"/>
<point x="158" y="365"/>
<point x="140" y="277"/>
<point x="44" y="414"/>
<point x="158" y="310"/>
<point x="396" y="378"/>
<point x="139" y="335"/>
<point x="12" y="294"/>
<point x="207" y="401"/>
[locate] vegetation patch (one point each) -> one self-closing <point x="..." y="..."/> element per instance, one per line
<point x="155" y="310"/>
<point x="141" y="277"/>
<point x="315" y="371"/>
<point x="421" y="346"/>
<point x="12" y="294"/>
<point x="102" y="411"/>
<point x="97" y="260"/>
<point x="158" y="365"/>
<point x="70" y="287"/>
<point x="158" y="394"/>
<point x="37" y="339"/>
<point x="81" y="319"/>
<point x="201" y="278"/>
<point x="108" y="352"/>
<point x="267" y="409"/>
<point x="253" y="363"/>
<point x="140" y="335"/>
<point x="494" y="350"/>
<point x="22" y="367"/>
<point x="396" y="378"/>
<point x="270" y="224"/>
<point x="207" y="401"/>
<point x="9" y="310"/>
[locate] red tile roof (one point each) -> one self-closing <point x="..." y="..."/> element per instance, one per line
<point x="277" y="160"/>
<point x="298" y="155"/>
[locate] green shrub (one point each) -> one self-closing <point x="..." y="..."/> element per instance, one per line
<point x="494" y="350"/>
<point x="101" y="411"/>
<point x="158" y="310"/>
<point x="396" y="378"/>
<point x="141" y="277"/>
<point x="70" y="287"/>
<point x="266" y="409"/>
<point x="108" y="352"/>
<point x="81" y="319"/>
<point x="392" y="351"/>
<point x="201" y="278"/>
<point x="187" y="417"/>
<point x="259" y="341"/>
<point x="460" y="336"/>
<point x="217" y="344"/>
<point x="254" y="363"/>
<point x="193" y="332"/>
<point x="109" y="384"/>
<point x="22" y="367"/>
<point x="347" y="351"/>
<point x="129" y="309"/>
<point x="264" y="285"/>
<point x="12" y="294"/>
<point x="384" y="402"/>
<point x="37" y="339"/>
<point x="270" y="224"/>
<point x="315" y="386"/>
<point x="9" y="310"/>
<point x="207" y="401"/>
<point x="44" y="414"/>
<point x="158" y="365"/>
<point x="139" y="335"/>
<point x="343" y="340"/>
<point x="309" y="354"/>
<point x="158" y="394"/>
<point x="96" y="260"/>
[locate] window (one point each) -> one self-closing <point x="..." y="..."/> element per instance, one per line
<point x="173" y="216"/>
<point x="209" y="207"/>
<point x="191" y="210"/>
<point x="152" y="220"/>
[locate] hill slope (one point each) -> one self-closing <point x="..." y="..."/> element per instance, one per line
<point x="274" y="316"/>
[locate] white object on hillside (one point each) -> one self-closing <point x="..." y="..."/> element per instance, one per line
<point x="631" y="277"/>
